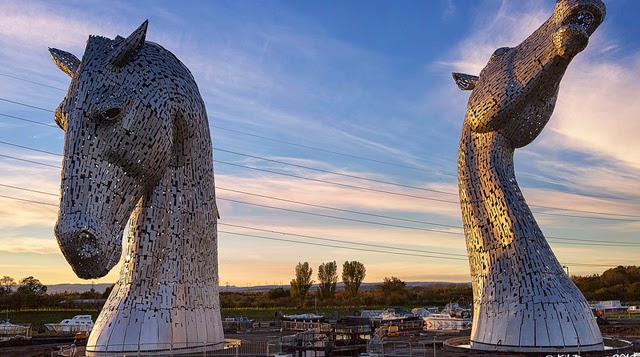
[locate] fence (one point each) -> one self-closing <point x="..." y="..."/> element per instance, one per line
<point x="400" y="349"/>
<point x="304" y="325"/>
<point x="232" y="348"/>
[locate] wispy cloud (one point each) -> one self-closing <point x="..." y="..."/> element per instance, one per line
<point x="512" y="23"/>
<point x="598" y="110"/>
<point x="21" y="244"/>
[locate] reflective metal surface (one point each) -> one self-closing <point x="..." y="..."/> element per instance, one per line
<point x="522" y="297"/>
<point x="138" y="148"/>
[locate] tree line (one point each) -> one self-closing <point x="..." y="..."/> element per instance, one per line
<point x="353" y="273"/>
<point x="619" y="283"/>
<point x="391" y="292"/>
<point x="30" y="293"/>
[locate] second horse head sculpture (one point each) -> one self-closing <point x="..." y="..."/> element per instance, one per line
<point x="523" y="300"/>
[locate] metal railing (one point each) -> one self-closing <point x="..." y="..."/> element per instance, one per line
<point x="231" y="348"/>
<point x="400" y="349"/>
<point x="304" y="325"/>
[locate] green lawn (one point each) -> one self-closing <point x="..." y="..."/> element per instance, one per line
<point x="37" y="318"/>
<point x="268" y="314"/>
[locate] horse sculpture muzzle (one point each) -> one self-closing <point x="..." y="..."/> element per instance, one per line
<point x="91" y="249"/>
<point x="91" y="223"/>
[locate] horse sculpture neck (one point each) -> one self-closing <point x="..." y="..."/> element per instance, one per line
<point x="169" y="275"/>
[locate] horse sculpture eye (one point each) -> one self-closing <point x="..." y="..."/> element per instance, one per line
<point x="501" y="51"/>
<point x="110" y="114"/>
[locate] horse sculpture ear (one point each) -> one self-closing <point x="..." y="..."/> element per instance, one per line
<point x="128" y="47"/>
<point x="465" y="81"/>
<point x="66" y="61"/>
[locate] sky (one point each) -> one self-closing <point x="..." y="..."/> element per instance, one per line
<point x="335" y="127"/>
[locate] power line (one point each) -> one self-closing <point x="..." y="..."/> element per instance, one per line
<point x="281" y="141"/>
<point x="363" y="178"/>
<point x="30" y="81"/>
<point x="30" y="148"/>
<point x="593" y="265"/>
<point x="27" y="105"/>
<point x="584" y="211"/>
<point x="311" y="237"/>
<point x="338" y="209"/>
<point x="352" y="176"/>
<point x="330" y="182"/>
<point x="29" y="161"/>
<point x="30" y="201"/>
<point x="412" y="187"/>
<point x="327" y="245"/>
<point x="28" y="120"/>
<point x="29" y="190"/>
<point x="335" y="173"/>
<point x="352" y="186"/>
<point x="330" y="151"/>
<point x="336" y="217"/>
<point x="401" y="194"/>
<point x="342" y="247"/>
<point x="589" y="241"/>
<point x="607" y="244"/>
<point x="338" y="240"/>
<point x="335" y="183"/>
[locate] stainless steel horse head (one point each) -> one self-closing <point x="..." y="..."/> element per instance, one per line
<point x="119" y="138"/>
<point x="516" y="92"/>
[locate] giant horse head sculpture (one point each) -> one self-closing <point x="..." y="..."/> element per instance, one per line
<point x="517" y="90"/>
<point x="523" y="300"/>
<point x="124" y="126"/>
<point x="138" y="148"/>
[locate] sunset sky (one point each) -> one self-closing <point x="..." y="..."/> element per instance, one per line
<point x="335" y="126"/>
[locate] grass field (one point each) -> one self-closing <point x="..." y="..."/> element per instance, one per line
<point x="37" y="318"/>
<point x="267" y="314"/>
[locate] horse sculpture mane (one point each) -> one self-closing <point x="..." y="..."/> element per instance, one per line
<point x="138" y="148"/>
<point x="523" y="300"/>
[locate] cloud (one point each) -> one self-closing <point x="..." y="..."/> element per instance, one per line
<point x="320" y="193"/>
<point x="512" y="23"/>
<point x="21" y="244"/>
<point x="16" y="213"/>
<point x="598" y="109"/>
<point x="37" y="25"/>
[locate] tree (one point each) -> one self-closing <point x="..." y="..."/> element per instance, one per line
<point x="392" y="285"/>
<point x="393" y="290"/>
<point x="353" y="274"/>
<point x="30" y="292"/>
<point x="614" y="276"/>
<point x="328" y="278"/>
<point x="107" y="291"/>
<point x="6" y="285"/>
<point x="277" y="293"/>
<point x="301" y="284"/>
<point x="31" y="286"/>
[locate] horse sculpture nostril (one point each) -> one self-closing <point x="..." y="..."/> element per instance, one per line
<point x="88" y="244"/>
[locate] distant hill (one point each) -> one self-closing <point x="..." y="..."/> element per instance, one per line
<point x="339" y="286"/>
<point x="80" y="288"/>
